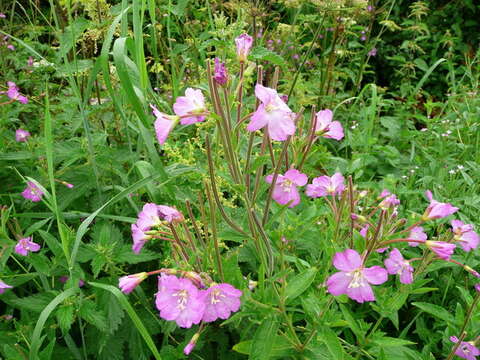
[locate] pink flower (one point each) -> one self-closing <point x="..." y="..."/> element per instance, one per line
<point x="417" y="233"/>
<point x="139" y="238"/>
<point x="11" y="47"/>
<point x="32" y="192"/>
<point x="364" y="231"/>
<point x="170" y="214"/>
<point x="324" y="186"/>
<point x="30" y="61"/>
<point x="14" y="93"/>
<point x="148" y="217"/>
<point x="164" y="124"/>
<point x="221" y="300"/>
<point x="21" y="135"/>
<point x="466" y="350"/>
<point x="220" y="74"/>
<point x="191" y="107"/>
<point x="128" y="283"/>
<point x="389" y="201"/>
<point x="354" y="279"/>
<point x="437" y="210"/>
<point x="443" y="249"/>
<point x="25" y="245"/>
<point x="285" y="189"/>
<point x="244" y="43"/>
<point x="179" y="300"/>
<point x="4" y="286"/>
<point x="477" y="287"/>
<point x="396" y="264"/>
<point x="191" y="344"/>
<point x="384" y="193"/>
<point x="464" y="234"/>
<point x="70" y="186"/>
<point x="272" y="113"/>
<point x="3" y="16"/>
<point x="326" y="127"/>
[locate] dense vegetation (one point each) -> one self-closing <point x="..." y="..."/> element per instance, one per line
<point x="233" y="179"/>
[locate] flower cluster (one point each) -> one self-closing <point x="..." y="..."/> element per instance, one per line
<point x="354" y="278"/>
<point x="189" y="109"/>
<point x="32" y="192"/>
<point x="13" y="93"/>
<point x="151" y="217"/>
<point x="178" y="299"/>
<point x="185" y="299"/>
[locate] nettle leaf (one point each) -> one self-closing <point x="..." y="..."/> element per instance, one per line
<point x="35" y="303"/>
<point x="127" y="255"/>
<point x="261" y="53"/>
<point x="65" y="317"/>
<point x="89" y="313"/>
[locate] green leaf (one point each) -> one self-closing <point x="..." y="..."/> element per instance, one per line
<point x="35" y="303"/>
<point x="436" y="311"/>
<point x="65" y="317"/>
<point x="133" y="316"/>
<point x="37" y="332"/>
<point x="261" y="53"/>
<point x="89" y="313"/>
<point x="299" y="283"/>
<point x="262" y="344"/>
<point x="387" y="341"/>
<point x="334" y="346"/>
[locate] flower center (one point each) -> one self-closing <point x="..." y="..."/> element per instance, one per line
<point x="215" y="297"/>
<point x="287" y="185"/>
<point x="270" y="107"/>
<point x="182" y="299"/>
<point x="357" y="280"/>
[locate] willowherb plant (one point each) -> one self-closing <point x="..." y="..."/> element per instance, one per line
<point x="188" y="295"/>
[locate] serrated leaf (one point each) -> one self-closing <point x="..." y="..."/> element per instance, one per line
<point x="261" y="53"/>
<point x="65" y="317"/>
<point x="127" y="255"/>
<point x="89" y="313"/>
<point x="35" y="303"/>
<point x="97" y="264"/>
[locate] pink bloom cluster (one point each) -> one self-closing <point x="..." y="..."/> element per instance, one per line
<point x="437" y="210"/>
<point x="285" y="189"/>
<point x="244" y="43"/>
<point x="21" y="135"/>
<point x="13" y="92"/>
<point x="272" y="113"/>
<point x="4" y="41"/>
<point x="326" y="186"/>
<point x="32" y="192"/>
<point x="464" y="234"/>
<point x="189" y="109"/>
<point x="220" y="72"/>
<point x="354" y="279"/>
<point x="152" y="216"/>
<point x="466" y="350"/>
<point x="179" y="300"/>
<point x="26" y="245"/>
<point x="326" y="127"/>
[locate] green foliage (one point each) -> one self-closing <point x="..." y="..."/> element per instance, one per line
<point x="411" y="118"/>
